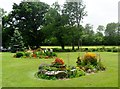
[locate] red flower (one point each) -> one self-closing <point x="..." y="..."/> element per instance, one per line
<point x="34" y="55"/>
<point x="58" y="61"/>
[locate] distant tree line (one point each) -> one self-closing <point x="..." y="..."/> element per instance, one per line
<point x="38" y="24"/>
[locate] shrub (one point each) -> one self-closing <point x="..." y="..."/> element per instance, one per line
<point x="63" y="50"/>
<point x="27" y="54"/>
<point x="88" y="66"/>
<point x="58" y="61"/>
<point x="114" y="49"/>
<point x="108" y="49"/>
<point x="50" y="54"/>
<point x="90" y="58"/>
<point x="54" y="54"/>
<point x="19" y="54"/>
<point x="100" y="66"/>
<point x="79" y="72"/>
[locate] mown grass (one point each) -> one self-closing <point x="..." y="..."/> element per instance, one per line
<point x="19" y="72"/>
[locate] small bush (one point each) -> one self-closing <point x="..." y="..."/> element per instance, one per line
<point x="108" y="49"/>
<point x="79" y="73"/>
<point x="90" y="58"/>
<point x="27" y="54"/>
<point x="100" y="66"/>
<point x="54" y="54"/>
<point x="114" y="49"/>
<point x="19" y="54"/>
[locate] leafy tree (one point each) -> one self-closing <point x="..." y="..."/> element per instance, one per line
<point x="7" y="31"/>
<point x="55" y="24"/>
<point x="28" y="18"/>
<point x="75" y="12"/>
<point x="2" y="13"/>
<point x="88" y="35"/>
<point x="98" y="40"/>
<point x="100" y="28"/>
<point x="111" y="34"/>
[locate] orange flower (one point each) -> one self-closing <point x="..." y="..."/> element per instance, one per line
<point x="90" y="56"/>
<point x="34" y="55"/>
<point x="58" y="61"/>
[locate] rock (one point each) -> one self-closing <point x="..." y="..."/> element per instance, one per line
<point x="89" y="71"/>
<point x="61" y="74"/>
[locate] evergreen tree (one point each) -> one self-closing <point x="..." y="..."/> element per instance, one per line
<point x="16" y="43"/>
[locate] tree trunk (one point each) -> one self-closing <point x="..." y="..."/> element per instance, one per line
<point x="63" y="47"/>
<point x="73" y="46"/>
<point x="78" y="44"/>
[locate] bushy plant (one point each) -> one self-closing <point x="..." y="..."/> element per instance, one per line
<point x="100" y="66"/>
<point x="27" y="54"/>
<point x="108" y="50"/>
<point x="90" y="58"/>
<point x="58" y="61"/>
<point x="79" y="72"/>
<point x="54" y="54"/>
<point x="114" y="49"/>
<point x="17" y="39"/>
<point x="19" y="54"/>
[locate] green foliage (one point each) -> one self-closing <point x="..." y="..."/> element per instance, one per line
<point x="63" y="50"/>
<point x="55" y="25"/>
<point x="100" y="66"/>
<point x="19" y="54"/>
<point x="43" y="76"/>
<point x="90" y="63"/>
<point x="28" y="18"/>
<point x="70" y="72"/>
<point x="38" y="54"/>
<point x="17" y="39"/>
<point x="111" y="34"/>
<point x="75" y="12"/>
<point x="80" y="73"/>
<point x="101" y="49"/>
<point x="27" y="54"/>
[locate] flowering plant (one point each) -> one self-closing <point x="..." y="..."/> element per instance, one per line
<point x="58" y="61"/>
<point x="90" y="58"/>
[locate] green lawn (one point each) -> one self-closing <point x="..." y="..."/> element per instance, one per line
<point x="20" y="72"/>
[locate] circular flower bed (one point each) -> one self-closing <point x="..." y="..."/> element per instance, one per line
<point x="58" y="70"/>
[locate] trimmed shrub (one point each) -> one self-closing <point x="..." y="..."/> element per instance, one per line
<point x="19" y="54"/>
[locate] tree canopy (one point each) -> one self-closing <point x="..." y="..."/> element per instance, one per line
<point x="41" y="24"/>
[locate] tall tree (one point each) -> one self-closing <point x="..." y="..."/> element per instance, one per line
<point x="17" y="39"/>
<point x="7" y="31"/>
<point x="2" y="13"/>
<point x="55" y="24"/>
<point x="88" y="35"/>
<point x="28" y="18"/>
<point x="100" y="28"/>
<point x="111" y="34"/>
<point x="75" y="12"/>
<point x="98" y="40"/>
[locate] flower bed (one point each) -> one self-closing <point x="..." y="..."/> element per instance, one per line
<point x="35" y="54"/>
<point x="90" y="63"/>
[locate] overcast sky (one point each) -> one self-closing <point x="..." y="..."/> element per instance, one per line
<point x="100" y="12"/>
